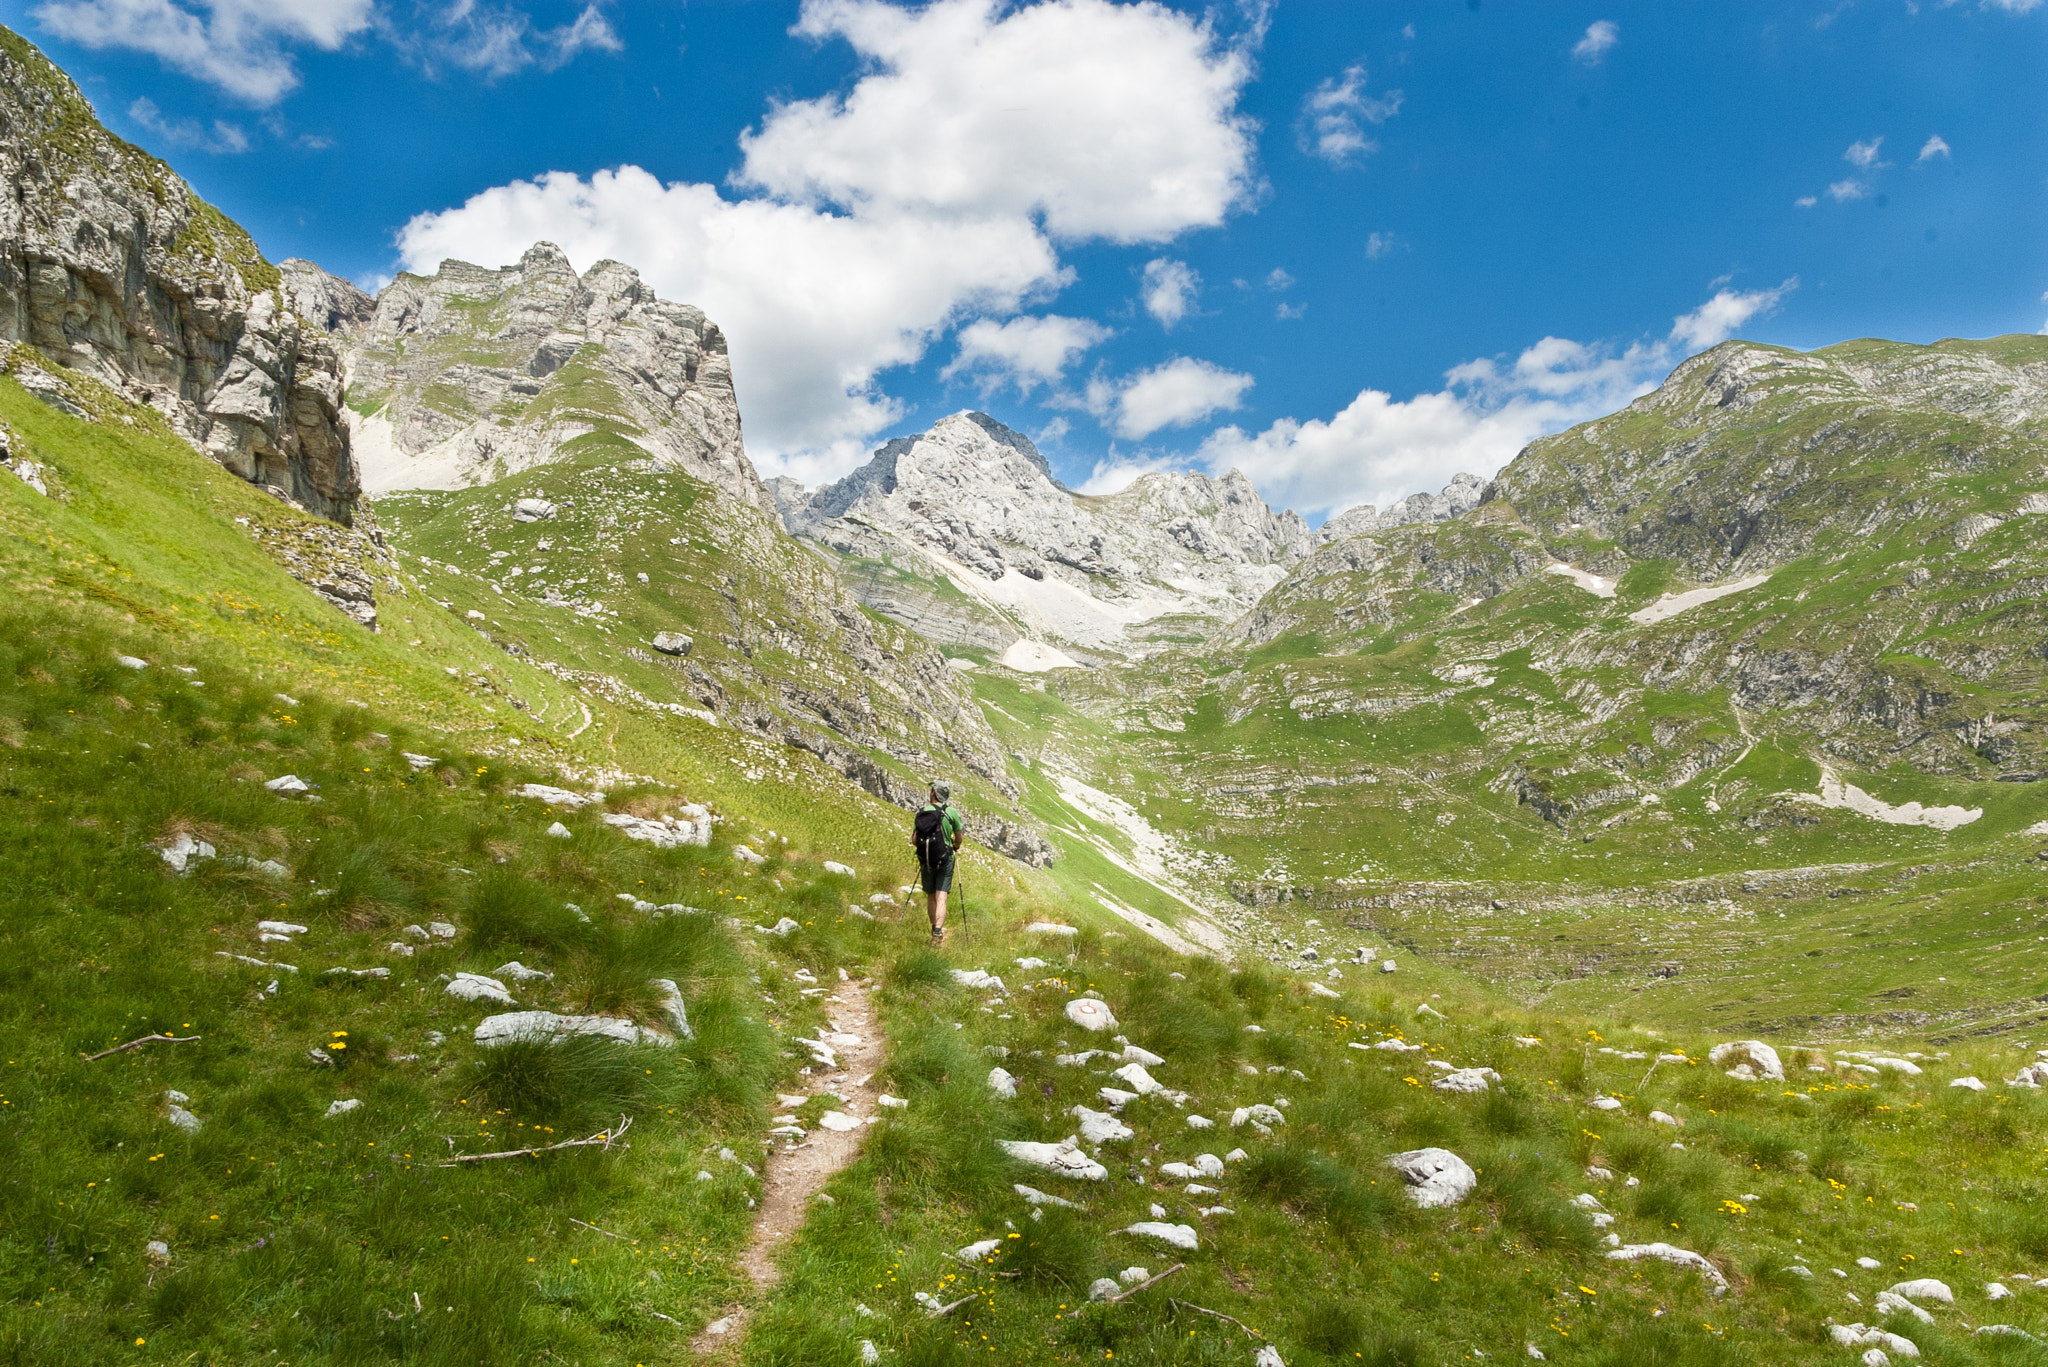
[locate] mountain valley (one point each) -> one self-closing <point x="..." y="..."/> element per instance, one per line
<point x="1592" y="913"/>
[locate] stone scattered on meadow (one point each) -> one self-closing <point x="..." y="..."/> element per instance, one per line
<point x="1861" y="1336"/>
<point x="1889" y="1303"/>
<point x="1895" y="1065"/>
<point x="1179" y="1236"/>
<point x="1102" y="1288"/>
<point x="1387" y="967"/>
<point x="1676" y="1256"/>
<point x="833" y="866"/>
<point x="1465" y="1080"/>
<point x="158" y="1252"/>
<point x="560" y="832"/>
<point x="1040" y="1198"/>
<point x="520" y="973"/>
<point x="1666" y="1118"/>
<point x="183" y="849"/>
<point x="288" y="783"/>
<point x="1064" y="1158"/>
<point x="1969" y="1083"/>
<point x="343" y="1107"/>
<point x="1133" y="1054"/>
<point x="475" y="987"/>
<point x="782" y="929"/>
<point x="979" y="979"/>
<point x="1091" y="1014"/>
<point x="1050" y="928"/>
<point x="532" y="510"/>
<point x="1116" y="1098"/>
<point x="1002" y="1083"/>
<point x="183" y="1118"/>
<point x="672" y="643"/>
<point x="547" y="1027"/>
<point x="1200" y="1122"/>
<point x="1924" y="1289"/>
<point x="1761" y="1059"/>
<point x="1604" y="1103"/>
<point x="1435" y="1177"/>
<point x="1100" y="1127"/>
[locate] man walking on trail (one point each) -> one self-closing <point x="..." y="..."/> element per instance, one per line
<point x="935" y="835"/>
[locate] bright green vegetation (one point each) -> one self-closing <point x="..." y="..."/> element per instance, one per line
<point x="1323" y="1255"/>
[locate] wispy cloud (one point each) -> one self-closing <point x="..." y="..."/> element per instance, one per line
<point x="1935" y="146"/>
<point x="243" y="47"/>
<point x="1169" y="290"/>
<point x="1807" y="201"/>
<point x="1378" y="245"/>
<point x="188" y="134"/>
<point x="495" y="41"/>
<point x="1864" y="154"/>
<point x="1333" y="115"/>
<point x="1844" y="190"/>
<point x="1601" y="35"/>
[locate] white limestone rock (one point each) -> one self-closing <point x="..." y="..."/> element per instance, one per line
<point x="1435" y="1177"/>
<point x="1761" y="1059"/>
<point x="1924" y="1289"/>
<point x="343" y="1107"/>
<point x="1676" y="1256"/>
<point x="1179" y="1236"/>
<point x="1040" y="1198"/>
<point x="1099" y="1127"/>
<point x="1465" y="1080"/>
<point x="182" y="850"/>
<point x="1002" y="1083"/>
<point x="1091" y="1014"/>
<point x="475" y="987"/>
<point x="1063" y="1159"/>
<point x="834" y="867"/>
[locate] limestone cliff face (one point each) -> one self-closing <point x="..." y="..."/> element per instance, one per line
<point x="975" y="504"/>
<point x="110" y="265"/>
<point x="471" y="374"/>
<point x="1459" y="497"/>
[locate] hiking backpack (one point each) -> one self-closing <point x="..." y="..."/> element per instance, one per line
<point x="930" y="833"/>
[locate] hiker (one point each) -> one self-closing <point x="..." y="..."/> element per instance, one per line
<point x="935" y="835"/>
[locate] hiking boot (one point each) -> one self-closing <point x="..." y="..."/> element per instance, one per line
<point x="938" y="937"/>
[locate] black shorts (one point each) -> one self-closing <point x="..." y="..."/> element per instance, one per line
<point x="937" y="878"/>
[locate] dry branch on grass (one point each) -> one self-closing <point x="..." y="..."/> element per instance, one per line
<point x="1218" y="1314"/>
<point x="602" y="1139"/>
<point x="138" y="1043"/>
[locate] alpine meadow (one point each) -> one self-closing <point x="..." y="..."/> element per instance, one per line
<point x="455" y="806"/>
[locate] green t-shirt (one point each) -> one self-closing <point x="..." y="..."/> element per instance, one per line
<point x="951" y="823"/>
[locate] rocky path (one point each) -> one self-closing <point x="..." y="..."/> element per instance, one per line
<point x="798" y="1171"/>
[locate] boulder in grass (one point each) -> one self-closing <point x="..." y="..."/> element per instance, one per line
<point x="561" y="832"/>
<point x="1100" y="1127"/>
<point x="1761" y="1060"/>
<point x="1064" y="1159"/>
<point x="833" y="866"/>
<point x="1968" y="1084"/>
<point x="1674" y="1255"/>
<point x="1862" y="1336"/>
<point x="130" y="662"/>
<point x="1091" y="1014"/>
<point x="1002" y="1083"/>
<point x="344" y="1106"/>
<point x="288" y="783"/>
<point x="1435" y="1177"/>
<point x="475" y="987"/>
<point x="1925" y="1289"/>
<point x="1179" y="1236"/>
<point x="1040" y="1198"/>
<point x="673" y="643"/>
<point x="533" y="510"/>
<point x="183" y="849"/>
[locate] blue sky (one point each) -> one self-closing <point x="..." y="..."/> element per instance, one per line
<point x="1350" y="248"/>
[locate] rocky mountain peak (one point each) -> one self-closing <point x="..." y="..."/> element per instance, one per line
<point x="974" y="503"/>
<point x="474" y="373"/>
<point x="111" y="266"/>
<point x="1459" y="497"/>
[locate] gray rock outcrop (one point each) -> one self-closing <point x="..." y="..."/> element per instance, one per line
<point x="1459" y="497"/>
<point x="973" y="503"/>
<point x="471" y="374"/>
<point x="111" y="266"/>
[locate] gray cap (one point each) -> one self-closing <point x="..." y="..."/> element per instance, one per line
<point x="940" y="790"/>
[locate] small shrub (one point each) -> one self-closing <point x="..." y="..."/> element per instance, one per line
<point x="570" y="1082"/>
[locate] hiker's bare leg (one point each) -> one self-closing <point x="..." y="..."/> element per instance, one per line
<point x="935" y="908"/>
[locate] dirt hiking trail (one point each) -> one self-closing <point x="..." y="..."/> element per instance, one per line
<point x="795" y="1173"/>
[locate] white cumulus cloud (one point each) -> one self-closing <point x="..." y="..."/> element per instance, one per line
<point x="241" y="46"/>
<point x="1169" y="290"/>
<point x="1026" y="351"/>
<point x="1600" y="35"/>
<point x="1333" y="113"/>
<point x="1864" y="154"/>
<point x="1172" y="394"/>
<point x="1379" y="449"/>
<point x="1935" y="146"/>
<point x="1724" y="315"/>
<point x="1844" y="190"/>
<point x="935" y="189"/>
